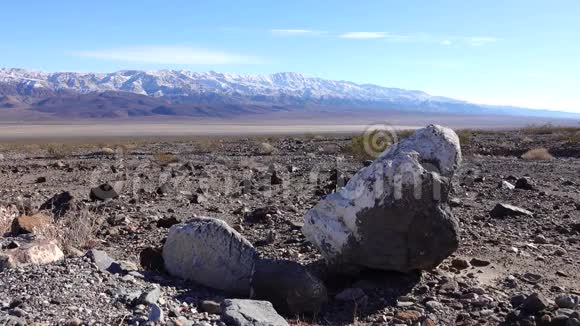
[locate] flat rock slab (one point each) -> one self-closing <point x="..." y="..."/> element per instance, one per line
<point x="503" y="210"/>
<point x="238" y="312"/>
<point x="31" y="252"/>
<point x="103" y="261"/>
<point x="210" y="252"/>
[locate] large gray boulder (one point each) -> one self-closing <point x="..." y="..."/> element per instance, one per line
<point x="393" y="214"/>
<point x="209" y="252"/>
<point x="238" y="312"/>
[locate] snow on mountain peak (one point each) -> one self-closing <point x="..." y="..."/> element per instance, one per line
<point x="187" y="83"/>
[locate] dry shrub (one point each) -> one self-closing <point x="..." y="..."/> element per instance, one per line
<point x="265" y="149"/>
<point x="368" y="146"/>
<point x="538" y="154"/>
<point x="77" y="228"/>
<point x="547" y="129"/>
<point x="574" y="138"/>
<point x="8" y="212"/>
<point x="402" y="134"/>
<point x="206" y="145"/>
<point x="464" y="136"/>
<point x="59" y="151"/>
<point x="107" y="151"/>
<point x="165" y="158"/>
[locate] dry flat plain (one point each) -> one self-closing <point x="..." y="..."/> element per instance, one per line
<point x="512" y="268"/>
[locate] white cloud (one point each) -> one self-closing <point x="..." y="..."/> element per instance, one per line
<point x="364" y="35"/>
<point x="446" y="42"/>
<point x="296" y="32"/>
<point x="180" y="55"/>
<point x="480" y="40"/>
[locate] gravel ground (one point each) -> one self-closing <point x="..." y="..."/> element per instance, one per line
<point x="264" y="195"/>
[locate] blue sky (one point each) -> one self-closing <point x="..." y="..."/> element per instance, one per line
<point x="513" y="52"/>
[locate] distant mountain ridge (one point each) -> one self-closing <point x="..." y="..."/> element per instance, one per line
<point x="133" y="93"/>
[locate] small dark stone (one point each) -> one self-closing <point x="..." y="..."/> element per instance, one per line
<point x="168" y="222"/>
<point x="534" y="304"/>
<point x="165" y="189"/>
<point x="517" y="300"/>
<point x="525" y="183"/>
<point x="275" y="179"/>
<point x="479" y="262"/>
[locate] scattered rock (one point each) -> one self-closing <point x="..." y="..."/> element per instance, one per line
<point x="211" y="307"/>
<point x="503" y="210"/>
<point x="37" y="224"/>
<point x="238" y="312"/>
<point x="506" y="185"/>
<point x="525" y="183"/>
<point x="567" y="301"/>
<point x="266" y="149"/>
<point x="167" y="222"/>
<point x="103" y="261"/>
<point x="262" y="214"/>
<point x="31" y="252"/>
<point x="534" y="303"/>
<point x="150" y="297"/>
<point x="288" y="286"/>
<point x="479" y="262"/>
<point x="106" y="191"/>
<point x="59" y="204"/>
<point x="460" y="263"/>
<point x="165" y="189"/>
<point x="275" y="179"/>
<point x="155" y="313"/>
<point x="210" y="252"/>
<point x="411" y="226"/>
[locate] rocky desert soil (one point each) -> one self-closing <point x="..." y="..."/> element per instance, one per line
<point x="514" y="266"/>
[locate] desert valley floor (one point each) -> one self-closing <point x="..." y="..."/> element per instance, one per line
<point x="511" y="270"/>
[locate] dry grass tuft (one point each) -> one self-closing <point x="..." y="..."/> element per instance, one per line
<point x="59" y="151"/>
<point x="573" y="138"/>
<point x="464" y="136"/>
<point x="78" y="228"/>
<point x="538" y="154"/>
<point x="165" y="158"/>
<point x="547" y="129"/>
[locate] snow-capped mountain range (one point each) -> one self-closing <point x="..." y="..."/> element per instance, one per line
<point x="172" y="83"/>
<point x="172" y="92"/>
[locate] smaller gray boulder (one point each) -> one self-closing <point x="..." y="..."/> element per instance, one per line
<point x="237" y="312"/>
<point x="211" y="253"/>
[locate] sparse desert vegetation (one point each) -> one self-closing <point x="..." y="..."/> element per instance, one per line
<point x="538" y="154"/>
